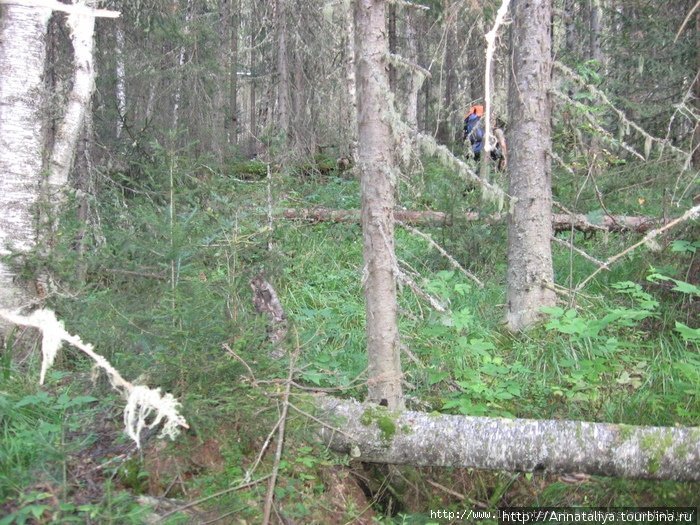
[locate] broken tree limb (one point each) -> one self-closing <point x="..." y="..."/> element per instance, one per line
<point x="524" y="445"/>
<point x="426" y="218"/>
<point x="267" y="302"/>
<point x="560" y="221"/>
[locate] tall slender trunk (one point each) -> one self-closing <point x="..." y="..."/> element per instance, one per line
<point x="350" y="80"/>
<point x="180" y="77"/>
<point x="252" y="122"/>
<point x="120" y="73"/>
<point x="376" y="162"/>
<point x="22" y="56"/>
<point x="233" y="74"/>
<point x="596" y="51"/>
<point x="696" y="133"/>
<point x="393" y="44"/>
<point x="530" y="273"/>
<point x="413" y="80"/>
<point x="570" y="26"/>
<point x="282" y="68"/>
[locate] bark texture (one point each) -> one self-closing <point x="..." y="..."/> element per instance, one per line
<point x="529" y="225"/>
<point x="22" y="54"/>
<point x="376" y="163"/>
<point x="374" y="434"/>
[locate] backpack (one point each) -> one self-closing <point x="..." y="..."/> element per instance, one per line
<point x="473" y="130"/>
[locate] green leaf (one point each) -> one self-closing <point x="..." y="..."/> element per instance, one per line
<point x="42" y="398"/>
<point x="313" y="376"/>
<point x="681" y="246"/>
<point x="688" y="334"/>
<point x="682" y="286"/>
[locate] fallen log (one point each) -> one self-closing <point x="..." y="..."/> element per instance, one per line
<point x="560" y="221"/>
<point x="373" y="434"/>
<point x="422" y="218"/>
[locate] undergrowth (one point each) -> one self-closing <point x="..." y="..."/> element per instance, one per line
<point x="163" y="291"/>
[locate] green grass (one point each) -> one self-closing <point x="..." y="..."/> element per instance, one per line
<point x="163" y="296"/>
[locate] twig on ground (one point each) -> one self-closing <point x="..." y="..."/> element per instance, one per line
<point x="212" y="496"/>
<point x="280" y="441"/>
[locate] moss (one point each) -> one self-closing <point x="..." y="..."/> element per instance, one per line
<point x="656" y="445"/>
<point x="250" y="170"/>
<point x="626" y="432"/>
<point x="384" y="419"/>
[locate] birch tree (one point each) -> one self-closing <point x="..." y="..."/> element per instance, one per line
<point x="23" y="32"/>
<point x="22" y="54"/>
<point x="530" y="227"/>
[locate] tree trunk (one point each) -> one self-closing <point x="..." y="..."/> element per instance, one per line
<point x="22" y="55"/>
<point x="413" y="79"/>
<point x="350" y="79"/>
<point x="446" y="132"/>
<point x="282" y="68"/>
<point x="376" y="163"/>
<point x="596" y="51"/>
<point x="233" y="75"/>
<point x="373" y="434"/>
<point x="696" y="88"/>
<point x="529" y="226"/>
<point x="180" y="65"/>
<point x="82" y="32"/>
<point x="393" y="45"/>
<point x="120" y="74"/>
<point x="570" y="27"/>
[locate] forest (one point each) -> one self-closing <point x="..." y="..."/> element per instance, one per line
<point x="335" y="262"/>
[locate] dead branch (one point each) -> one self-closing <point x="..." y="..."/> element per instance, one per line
<point x="560" y="222"/>
<point x="266" y="302"/>
<point x="692" y="213"/>
<point x="442" y="251"/>
<point x="280" y="442"/>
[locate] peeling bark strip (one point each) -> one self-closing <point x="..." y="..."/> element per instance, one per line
<point x="560" y="221"/>
<point x="373" y="434"/>
<point x="266" y="302"/>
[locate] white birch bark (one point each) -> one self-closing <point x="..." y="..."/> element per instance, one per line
<point x="120" y="72"/>
<point x="22" y="55"/>
<point x="181" y="62"/>
<point x="351" y="106"/>
<point x="373" y="434"/>
<point x="82" y="31"/>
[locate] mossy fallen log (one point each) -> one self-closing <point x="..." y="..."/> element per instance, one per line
<point x="373" y="434"/>
<point x="560" y="221"/>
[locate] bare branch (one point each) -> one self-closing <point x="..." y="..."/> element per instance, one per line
<point x="442" y="251"/>
<point x="690" y="214"/>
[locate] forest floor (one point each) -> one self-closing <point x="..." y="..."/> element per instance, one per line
<point x="163" y="291"/>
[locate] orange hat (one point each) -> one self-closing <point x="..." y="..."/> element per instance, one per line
<point x="478" y="109"/>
